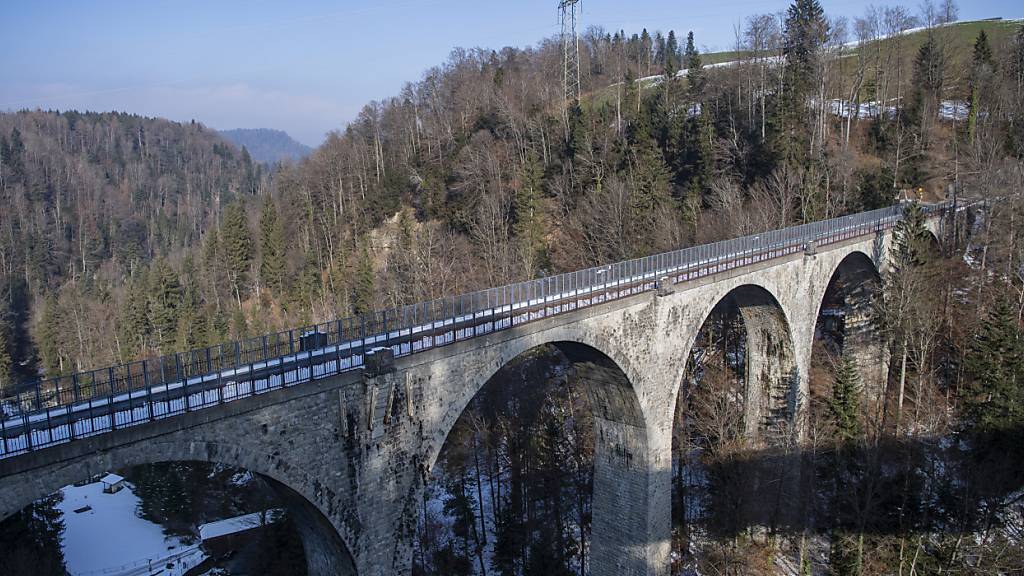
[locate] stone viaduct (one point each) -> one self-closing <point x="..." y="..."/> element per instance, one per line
<point x="349" y="453"/>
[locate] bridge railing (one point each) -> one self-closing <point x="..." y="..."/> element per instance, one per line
<point x="61" y="409"/>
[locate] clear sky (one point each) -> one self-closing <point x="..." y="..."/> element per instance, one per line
<point x="304" y="66"/>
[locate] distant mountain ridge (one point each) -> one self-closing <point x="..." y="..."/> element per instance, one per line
<point x="266" y="145"/>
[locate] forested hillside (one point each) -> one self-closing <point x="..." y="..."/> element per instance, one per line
<point x="129" y="236"/>
<point x="90" y="202"/>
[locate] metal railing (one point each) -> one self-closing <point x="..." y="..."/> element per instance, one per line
<point x="63" y="409"/>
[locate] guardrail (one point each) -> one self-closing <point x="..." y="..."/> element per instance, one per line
<point x="63" y="409"/>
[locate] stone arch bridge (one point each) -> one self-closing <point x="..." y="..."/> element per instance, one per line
<point x="345" y="420"/>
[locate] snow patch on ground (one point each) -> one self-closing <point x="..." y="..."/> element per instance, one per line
<point x="112" y="539"/>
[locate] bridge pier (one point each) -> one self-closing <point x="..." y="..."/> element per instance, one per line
<point x="631" y="518"/>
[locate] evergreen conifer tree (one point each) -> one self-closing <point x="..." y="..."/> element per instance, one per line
<point x="192" y="331"/>
<point x="928" y="81"/>
<point x="694" y="69"/>
<point x="133" y="325"/>
<point x="804" y="36"/>
<point x="50" y="330"/>
<point x="844" y="406"/>
<point x="165" y="303"/>
<point x="649" y="196"/>
<point x="910" y="239"/>
<point x="6" y="360"/>
<point x="272" y="251"/>
<point x="982" y="66"/>
<point x="995" y="367"/>
<point x="14" y="160"/>
<point x="527" y="227"/>
<point x="363" y="282"/>
<point x="671" y="57"/>
<point x="236" y="246"/>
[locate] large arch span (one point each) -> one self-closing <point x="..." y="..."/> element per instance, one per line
<point x="622" y="483"/>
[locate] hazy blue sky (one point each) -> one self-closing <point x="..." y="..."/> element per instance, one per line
<point x="302" y="66"/>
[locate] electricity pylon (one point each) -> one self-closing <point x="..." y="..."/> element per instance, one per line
<point x="571" y="48"/>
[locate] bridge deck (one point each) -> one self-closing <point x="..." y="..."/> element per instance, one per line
<point x="66" y="408"/>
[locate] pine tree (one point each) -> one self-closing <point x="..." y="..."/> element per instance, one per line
<point x="363" y="282"/>
<point x="272" y="251"/>
<point x="928" y="81"/>
<point x="191" y="332"/>
<point x="236" y="246"/>
<point x="671" y="58"/>
<point x="995" y="368"/>
<point x="805" y="32"/>
<point x="165" y="302"/>
<point x="50" y="331"/>
<point x="133" y="325"/>
<point x="239" y="324"/>
<point x="6" y="360"/>
<point x="910" y="239"/>
<point x="694" y="69"/>
<point x="527" y="226"/>
<point x="309" y="286"/>
<point x="982" y="67"/>
<point x="844" y="406"/>
<point x="649" y="196"/>
<point x="14" y="160"/>
<point x="646" y="44"/>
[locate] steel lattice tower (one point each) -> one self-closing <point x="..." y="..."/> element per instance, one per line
<point x="571" y="48"/>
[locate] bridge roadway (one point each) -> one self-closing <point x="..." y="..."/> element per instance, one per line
<point x="347" y="441"/>
<point x="33" y="429"/>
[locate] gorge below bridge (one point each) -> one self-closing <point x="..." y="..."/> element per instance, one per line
<point x="347" y="419"/>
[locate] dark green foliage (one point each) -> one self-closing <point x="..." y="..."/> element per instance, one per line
<point x="982" y="55"/>
<point x="50" y="331"/>
<point x="670" y="61"/>
<point x="37" y="532"/>
<point x="13" y="158"/>
<point x="363" y="282"/>
<point x="236" y="244"/>
<point x="844" y="554"/>
<point x="805" y="32"/>
<point x="6" y="361"/>
<point x="875" y="189"/>
<point x="133" y="325"/>
<point x="272" y="248"/>
<point x="929" y="80"/>
<point x="649" y="182"/>
<point x="911" y="240"/>
<point x="528" y="226"/>
<point x="192" y="326"/>
<point x="995" y="368"/>
<point x="982" y="69"/>
<point x="308" y="285"/>
<point x="165" y="303"/>
<point x="694" y="69"/>
<point x="844" y="405"/>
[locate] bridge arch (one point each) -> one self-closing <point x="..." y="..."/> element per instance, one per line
<point x="326" y="546"/>
<point x="771" y="381"/>
<point x="845" y="316"/>
<point x="624" y="476"/>
<point x="575" y="344"/>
